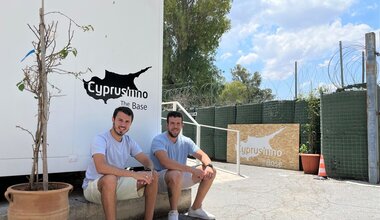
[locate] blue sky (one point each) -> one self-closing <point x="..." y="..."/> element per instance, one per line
<point x="268" y="36"/>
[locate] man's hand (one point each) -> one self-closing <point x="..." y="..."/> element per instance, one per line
<point x="208" y="172"/>
<point x="198" y="173"/>
<point x="143" y="177"/>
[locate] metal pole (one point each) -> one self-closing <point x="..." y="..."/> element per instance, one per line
<point x="198" y="137"/>
<point x="372" y="109"/>
<point x="341" y="63"/>
<point x="238" y="152"/>
<point x="295" y="79"/>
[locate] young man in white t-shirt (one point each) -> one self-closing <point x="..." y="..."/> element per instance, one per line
<point x="107" y="180"/>
<point x="169" y="154"/>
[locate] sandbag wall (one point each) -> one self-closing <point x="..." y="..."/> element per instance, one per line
<point x="189" y="130"/>
<point x="249" y="114"/>
<point x="277" y="112"/>
<point x="223" y="116"/>
<point x="206" y="116"/>
<point x="301" y="117"/>
<point x="344" y="134"/>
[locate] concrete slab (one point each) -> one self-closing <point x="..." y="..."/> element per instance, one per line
<point x="269" y="193"/>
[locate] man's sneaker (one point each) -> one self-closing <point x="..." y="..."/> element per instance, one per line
<point x="200" y="213"/>
<point x="173" y="215"/>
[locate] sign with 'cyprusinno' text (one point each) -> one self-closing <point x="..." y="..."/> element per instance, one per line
<point x="268" y="145"/>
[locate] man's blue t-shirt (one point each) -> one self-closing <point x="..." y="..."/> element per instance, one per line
<point x="116" y="153"/>
<point x="177" y="151"/>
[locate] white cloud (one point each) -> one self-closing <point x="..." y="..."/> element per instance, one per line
<point x="325" y="63"/>
<point x="305" y="84"/>
<point x="250" y="14"/>
<point x="329" y="87"/>
<point x="248" y="29"/>
<point x="248" y="59"/>
<point x="374" y="6"/>
<point x="226" y="56"/>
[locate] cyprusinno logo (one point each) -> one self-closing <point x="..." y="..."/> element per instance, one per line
<point x="114" y="86"/>
<point x="254" y="146"/>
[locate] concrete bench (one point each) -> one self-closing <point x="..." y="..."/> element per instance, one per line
<point x="80" y="208"/>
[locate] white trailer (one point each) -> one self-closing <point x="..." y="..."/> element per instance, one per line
<point x="124" y="53"/>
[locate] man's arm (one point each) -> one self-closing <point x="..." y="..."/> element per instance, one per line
<point x="106" y="169"/>
<point x="145" y="161"/>
<point x="206" y="163"/>
<point x="170" y="164"/>
<point x="203" y="157"/>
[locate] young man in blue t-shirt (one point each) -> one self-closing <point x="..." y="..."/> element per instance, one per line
<point x="169" y="154"/>
<point x="107" y="180"/>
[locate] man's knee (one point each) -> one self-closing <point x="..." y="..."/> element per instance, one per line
<point x="173" y="178"/>
<point x="108" y="183"/>
<point x="211" y="177"/>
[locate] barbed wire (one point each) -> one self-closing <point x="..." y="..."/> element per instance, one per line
<point x="312" y="76"/>
<point x="190" y="96"/>
<point x="352" y="56"/>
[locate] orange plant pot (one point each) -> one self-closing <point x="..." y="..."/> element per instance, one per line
<point x="310" y="163"/>
<point x="38" y="205"/>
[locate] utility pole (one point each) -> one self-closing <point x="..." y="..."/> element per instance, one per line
<point x="295" y="80"/>
<point x="372" y="109"/>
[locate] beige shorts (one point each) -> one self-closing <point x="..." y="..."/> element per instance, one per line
<point x="126" y="189"/>
<point x="187" y="181"/>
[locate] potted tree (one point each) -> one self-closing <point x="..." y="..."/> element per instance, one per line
<point x="309" y="151"/>
<point x="36" y="199"/>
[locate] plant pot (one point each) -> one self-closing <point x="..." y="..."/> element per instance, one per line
<point x="51" y="204"/>
<point x="310" y="163"/>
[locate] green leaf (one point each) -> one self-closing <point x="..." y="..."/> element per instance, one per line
<point x="87" y="28"/>
<point x="21" y="86"/>
<point x="74" y="51"/>
<point x="304" y="149"/>
<point x="63" y="53"/>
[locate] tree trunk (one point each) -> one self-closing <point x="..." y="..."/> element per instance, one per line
<point x="43" y="106"/>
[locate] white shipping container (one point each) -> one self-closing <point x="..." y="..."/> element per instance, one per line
<point x="127" y="38"/>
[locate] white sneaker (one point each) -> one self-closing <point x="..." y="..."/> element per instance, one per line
<point x="173" y="215"/>
<point x="200" y="213"/>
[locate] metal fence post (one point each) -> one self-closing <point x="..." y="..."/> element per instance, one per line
<point x="238" y="152"/>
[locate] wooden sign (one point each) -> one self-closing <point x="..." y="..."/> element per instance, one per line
<point x="268" y="145"/>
